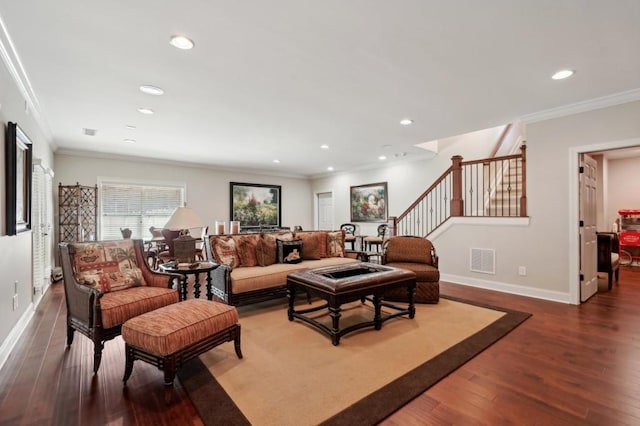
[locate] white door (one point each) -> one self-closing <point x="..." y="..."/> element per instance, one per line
<point x="41" y="228"/>
<point x="325" y="211"/>
<point x="588" y="238"/>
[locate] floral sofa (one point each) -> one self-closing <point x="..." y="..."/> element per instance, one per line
<point x="254" y="267"/>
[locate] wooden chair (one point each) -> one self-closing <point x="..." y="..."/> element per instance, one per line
<point x="377" y="239"/>
<point x="349" y="234"/>
<point x="168" y="254"/>
<point x="608" y="255"/>
<point x="105" y="284"/>
<point x="200" y="255"/>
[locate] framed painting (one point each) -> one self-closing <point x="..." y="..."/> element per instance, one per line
<point x="369" y="202"/>
<point x="256" y="205"/>
<point x="18" y="157"/>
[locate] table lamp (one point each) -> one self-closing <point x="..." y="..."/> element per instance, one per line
<point x="184" y="247"/>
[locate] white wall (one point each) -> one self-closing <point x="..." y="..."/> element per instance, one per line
<point x="207" y="189"/>
<point x="15" y="251"/>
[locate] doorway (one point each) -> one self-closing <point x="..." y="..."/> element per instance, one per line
<point x="574" y="207"/>
<point x="324" y="212"/>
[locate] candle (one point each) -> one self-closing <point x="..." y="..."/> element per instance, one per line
<point x="219" y="228"/>
<point x="235" y="227"/>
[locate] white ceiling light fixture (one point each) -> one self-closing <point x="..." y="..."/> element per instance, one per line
<point x="130" y="127"/>
<point x="129" y="140"/>
<point x="406" y="121"/>
<point x="276" y="161"/>
<point x="562" y="74"/>
<point x="324" y="146"/>
<point x="330" y="168"/>
<point x="151" y="90"/>
<point x="146" y="111"/>
<point x="181" y="42"/>
<point x="382" y="157"/>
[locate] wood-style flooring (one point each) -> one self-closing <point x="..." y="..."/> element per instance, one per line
<point x="566" y="365"/>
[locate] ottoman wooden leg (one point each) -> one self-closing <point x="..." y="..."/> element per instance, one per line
<point x="169" y="375"/>
<point x="236" y="341"/>
<point x="128" y="366"/>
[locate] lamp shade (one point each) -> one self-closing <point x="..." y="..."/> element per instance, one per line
<point x="184" y="218"/>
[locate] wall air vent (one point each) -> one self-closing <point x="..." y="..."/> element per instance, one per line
<point x="483" y="260"/>
<point x="89" y="132"/>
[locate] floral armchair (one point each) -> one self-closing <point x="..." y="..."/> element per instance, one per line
<point x="105" y="284"/>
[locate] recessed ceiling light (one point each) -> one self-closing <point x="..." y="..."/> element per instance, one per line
<point x="147" y="111"/>
<point x="382" y="157"/>
<point x="129" y="140"/>
<point x="324" y="146"/>
<point x="130" y="127"/>
<point x="276" y="161"/>
<point x="562" y="74"/>
<point x="330" y="168"/>
<point x="406" y="121"/>
<point x="181" y="42"/>
<point x="151" y="90"/>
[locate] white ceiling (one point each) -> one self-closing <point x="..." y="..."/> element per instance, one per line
<point x="276" y="79"/>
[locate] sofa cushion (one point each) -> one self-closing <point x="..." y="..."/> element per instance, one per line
<point x="423" y="271"/>
<point x="119" y="306"/>
<point x="224" y="250"/>
<point x="335" y="244"/>
<point x="259" y="278"/>
<point x="321" y="237"/>
<point x="289" y="251"/>
<point x="266" y="252"/>
<point x="311" y="249"/>
<point x="246" y="247"/>
<point x="107" y="266"/>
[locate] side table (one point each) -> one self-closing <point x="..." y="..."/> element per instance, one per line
<point x="185" y="271"/>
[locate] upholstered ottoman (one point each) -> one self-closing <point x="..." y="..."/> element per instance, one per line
<point x="170" y="336"/>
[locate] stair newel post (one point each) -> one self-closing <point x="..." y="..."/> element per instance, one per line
<point x="457" y="204"/>
<point x="392" y="225"/>
<point x="523" y="198"/>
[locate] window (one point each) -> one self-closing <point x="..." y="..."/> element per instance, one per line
<point x="136" y="206"/>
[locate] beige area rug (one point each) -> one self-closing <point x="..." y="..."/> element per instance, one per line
<point x="291" y="374"/>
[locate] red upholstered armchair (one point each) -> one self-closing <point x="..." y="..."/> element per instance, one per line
<point x="105" y="284"/>
<point x="416" y="254"/>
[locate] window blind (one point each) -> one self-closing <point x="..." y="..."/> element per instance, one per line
<point x="137" y="207"/>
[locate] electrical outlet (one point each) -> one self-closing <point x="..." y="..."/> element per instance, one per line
<point x="15" y="302"/>
<point x="522" y="271"/>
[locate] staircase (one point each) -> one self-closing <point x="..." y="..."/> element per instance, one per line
<point x="490" y="187"/>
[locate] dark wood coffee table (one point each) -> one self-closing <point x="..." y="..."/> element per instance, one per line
<point x="348" y="283"/>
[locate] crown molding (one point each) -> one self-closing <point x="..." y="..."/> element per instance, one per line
<point x="583" y="106"/>
<point x="13" y="63"/>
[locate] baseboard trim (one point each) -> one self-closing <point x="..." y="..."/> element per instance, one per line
<point x="15" y="333"/>
<point x="553" y="296"/>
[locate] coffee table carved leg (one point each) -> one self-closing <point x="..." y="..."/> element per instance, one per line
<point x="412" y="307"/>
<point x="377" y="316"/>
<point x="335" y="315"/>
<point x="196" y="285"/>
<point x="291" y="294"/>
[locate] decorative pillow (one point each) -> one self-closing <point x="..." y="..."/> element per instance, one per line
<point x="311" y="244"/>
<point x="289" y="251"/>
<point x="246" y="248"/>
<point x="224" y="251"/>
<point x="107" y="266"/>
<point x="266" y="252"/>
<point x="335" y="244"/>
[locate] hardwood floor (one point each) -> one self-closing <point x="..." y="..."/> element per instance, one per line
<point x="566" y="365"/>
